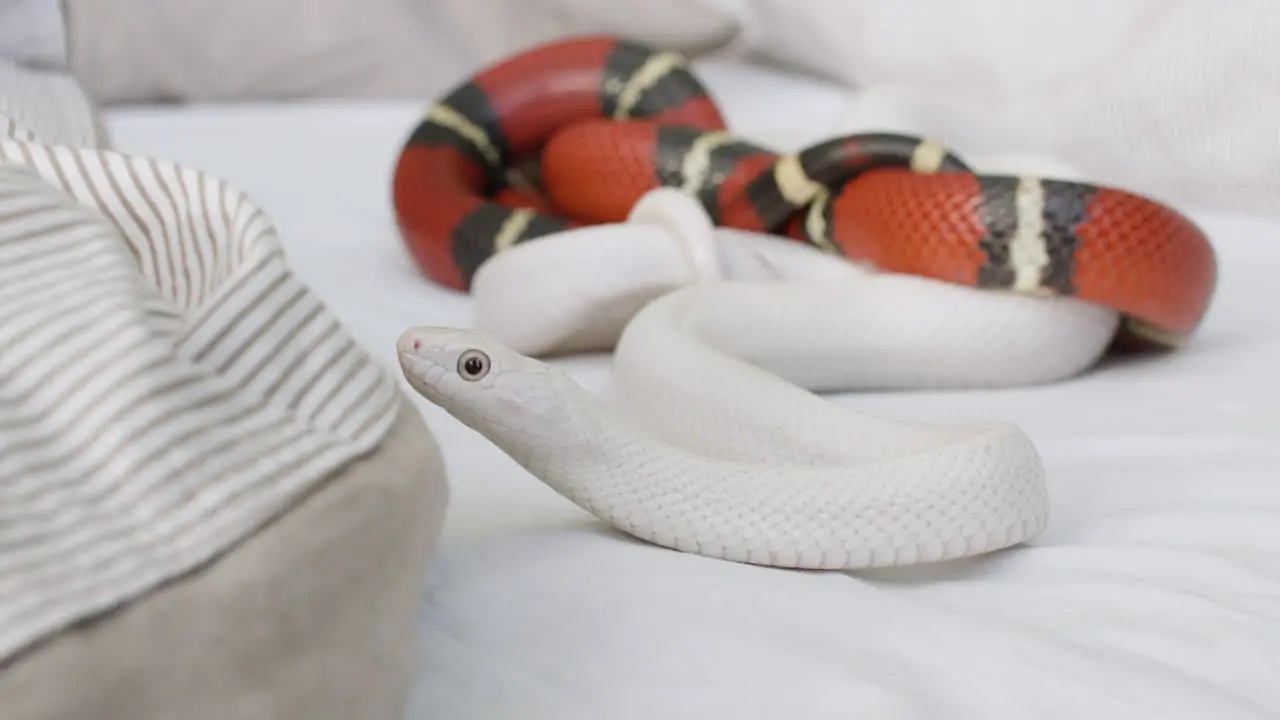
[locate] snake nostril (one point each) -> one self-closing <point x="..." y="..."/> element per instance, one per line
<point x="417" y="344"/>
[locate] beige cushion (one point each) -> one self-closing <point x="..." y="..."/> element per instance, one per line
<point x="313" y="617"/>
<point x="485" y="31"/>
<point x="244" y="50"/>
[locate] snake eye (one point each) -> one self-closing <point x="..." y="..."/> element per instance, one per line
<point x="473" y="365"/>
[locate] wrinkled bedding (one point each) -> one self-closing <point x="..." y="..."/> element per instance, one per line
<point x="1155" y="593"/>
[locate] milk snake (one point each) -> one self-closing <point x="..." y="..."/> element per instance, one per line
<point x="603" y="120"/>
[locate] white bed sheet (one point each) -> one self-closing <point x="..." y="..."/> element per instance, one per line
<point x="1155" y="592"/>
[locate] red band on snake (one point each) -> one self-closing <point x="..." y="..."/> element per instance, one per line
<point x="456" y="163"/>
<point x="612" y="120"/>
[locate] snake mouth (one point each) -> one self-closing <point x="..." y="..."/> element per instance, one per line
<point x="418" y="370"/>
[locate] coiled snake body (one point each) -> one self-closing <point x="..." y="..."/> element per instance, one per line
<point x="900" y="268"/>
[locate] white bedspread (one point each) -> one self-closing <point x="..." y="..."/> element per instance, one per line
<point x="1155" y="593"/>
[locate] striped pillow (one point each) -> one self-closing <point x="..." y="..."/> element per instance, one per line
<point x="168" y="386"/>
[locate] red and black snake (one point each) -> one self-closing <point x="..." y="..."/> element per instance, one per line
<point x="607" y="120"/>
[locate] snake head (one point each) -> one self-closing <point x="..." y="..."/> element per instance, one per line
<point x="503" y="395"/>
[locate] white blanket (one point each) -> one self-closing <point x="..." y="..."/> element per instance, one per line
<point x="1155" y="593"/>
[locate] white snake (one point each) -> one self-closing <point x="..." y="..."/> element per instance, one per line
<point x="715" y="441"/>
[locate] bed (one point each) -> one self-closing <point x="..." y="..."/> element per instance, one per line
<point x="1155" y="592"/>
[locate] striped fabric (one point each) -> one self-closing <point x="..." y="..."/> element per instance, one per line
<point x="167" y="384"/>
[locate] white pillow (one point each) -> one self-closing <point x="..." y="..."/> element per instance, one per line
<point x="33" y="32"/>
<point x="1172" y="98"/>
